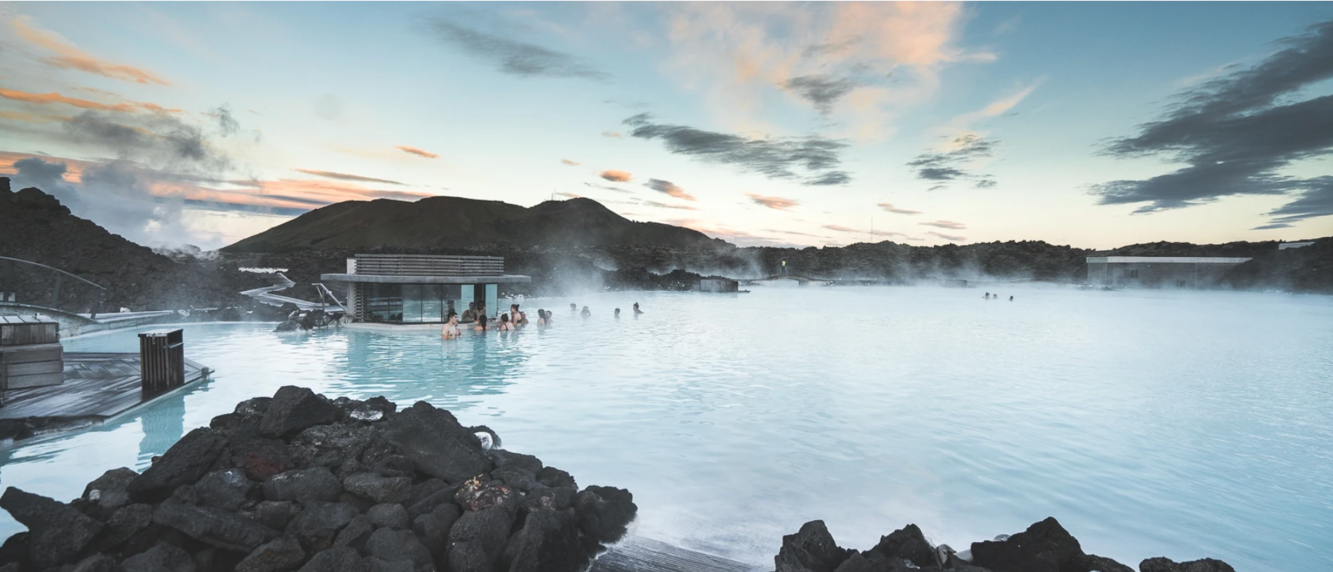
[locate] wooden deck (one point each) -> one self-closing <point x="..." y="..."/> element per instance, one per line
<point x="97" y="387"/>
<point x="636" y="554"/>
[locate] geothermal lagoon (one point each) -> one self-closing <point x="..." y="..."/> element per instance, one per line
<point x="1150" y="423"/>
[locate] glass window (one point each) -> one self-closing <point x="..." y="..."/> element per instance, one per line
<point x="492" y="301"/>
<point x="453" y="299"/>
<point x="432" y="306"/>
<point x="411" y="303"/>
<point x="384" y="303"/>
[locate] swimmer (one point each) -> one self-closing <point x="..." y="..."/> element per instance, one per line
<point x="470" y="314"/>
<point x="481" y="324"/>
<point x="520" y="318"/>
<point x="541" y="317"/>
<point x="1011" y="298"/>
<point x="617" y="313"/>
<point x="637" y="311"/>
<point x="451" y="329"/>
<point x="985" y="296"/>
<point x="585" y="313"/>
<point x="573" y="307"/>
<point x="505" y="324"/>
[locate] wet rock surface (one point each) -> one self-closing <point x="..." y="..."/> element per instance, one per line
<point x="1043" y="547"/>
<point x="299" y="482"/>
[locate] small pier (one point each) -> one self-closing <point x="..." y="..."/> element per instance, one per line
<point x="635" y="554"/>
<point x="97" y="387"/>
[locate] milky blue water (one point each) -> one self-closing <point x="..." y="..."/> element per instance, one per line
<point x="1174" y="424"/>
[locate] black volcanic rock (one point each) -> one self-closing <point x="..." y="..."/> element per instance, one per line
<point x="1167" y="565"/>
<point x="294" y="409"/>
<point x="811" y="549"/>
<point x="57" y="532"/>
<point x="907" y="543"/>
<point x="1043" y="547"/>
<point x="436" y="443"/>
<point x="185" y="462"/>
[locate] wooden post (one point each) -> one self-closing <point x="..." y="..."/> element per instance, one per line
<point x="161" y="360"/>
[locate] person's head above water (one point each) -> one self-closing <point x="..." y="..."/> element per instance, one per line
<point x="472" y="305"/>
<point x="573" y="306"/>
<point x="481" y="322"/>
<point x="452" y="318"/>
<point x="617" y="312"/>
<point x="504" y="318"/>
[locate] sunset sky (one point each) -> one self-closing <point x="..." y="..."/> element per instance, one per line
<point x="1091" y="124"/>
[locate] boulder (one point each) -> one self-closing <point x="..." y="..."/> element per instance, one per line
<point x="476" y="495"/>
<point x="605" y="512"/>
<point x="1160" y="564"/>
<point x="279" y="555"/>
<point x="388" y="515"/>
<point x="429" y="503"/>
<point x="1094" y="563"/>
<point x="356" y="533"/>
<point x="542" y="497"/>
<point x="163" y="557"/>
<point x="330" y="445"/>
<point x="108" y="491"/>
<point x="336" y="559"/>
<point x="477" y="540"/>
<point x="275" y="514"/>
<point x="318" y="524"/>
<point x="379" y="488"/>
<point x="907" y="543"/>
<point x="57" y="533"/>
<point x="548" y="542"/>
<point x="262" y="458"/>
<point x="398" y="546"/>
<point x="1043" y="547"/>
<point x="214" y="526"/>
<point x="811" y="549"/>
<point x="226" y="490"/>
<point x="382" y="565"/>
<point x="505" y="459"/>
<point x="184" y="463"/>
<point x="433" y="528"/>
<point x="872" y="561"/>
<point x="294" y="409"/>
<point x="436" y="443"/>
<point x="516" y="478"/>
<point x="124" y="524"/>
<point x="96" y="563"/>
<point x="303" y="486"/>
<point x="555" y="478"/>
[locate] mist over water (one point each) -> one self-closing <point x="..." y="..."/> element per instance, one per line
<point x="1150" y="423"/>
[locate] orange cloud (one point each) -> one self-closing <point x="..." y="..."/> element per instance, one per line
<point x="946" y="224"/>
<point x="777" y="203"/>
<point x="570" y="163"/>
<point x="948" y="237"/>
<point x="73" y="167"/>
<point x="345" y="176"/>
<point x="612" y="134"/>
<point x="68" y="56"/>
<point x="840" y="228"/>
<point x="32" y="118"/>
<point x="616" y="176"/>
<point x="419" y="152"/>
<point x="53" y="97"/>
<point x="896" y="210"/>
<point x="669" y="188"/>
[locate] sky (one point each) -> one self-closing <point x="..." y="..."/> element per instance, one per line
<point x="789" y="124"/>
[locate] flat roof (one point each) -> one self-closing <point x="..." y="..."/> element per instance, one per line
<point x="1166" y="259"/>
<point x="382" y="279"/>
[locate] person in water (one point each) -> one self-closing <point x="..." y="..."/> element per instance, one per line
<point x="617" y="313"/>
<point x="1011" y="298"/>
<point x="637" y="311"/>
<point x="470" y="314"/>
<point x="481" y="324"/>
<point x="505" y="324"/>
<point x="585" y="312"/>
<point x="985" y="296"/>
<point x="520" y="318"/>
<point x="451" y="329"/>
<point x="573" y="307"/>
<point x="541" y="317"/>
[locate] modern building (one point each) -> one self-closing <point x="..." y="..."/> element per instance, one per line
<point x="420" y="289"/>
<point x="1159" y="271"/>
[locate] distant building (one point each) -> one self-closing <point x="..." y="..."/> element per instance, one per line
<point x="420" y="289"/>
<point x="1159" y="271"/>
<point x="718" y="285"/>
<point x="1286" y="245"/>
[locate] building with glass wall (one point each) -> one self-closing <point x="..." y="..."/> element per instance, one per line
<point x="420" y="289"/>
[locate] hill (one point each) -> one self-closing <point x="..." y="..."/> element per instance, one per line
<point x="438" y="223"/>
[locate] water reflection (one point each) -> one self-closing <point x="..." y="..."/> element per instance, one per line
<point x="163" y="424"/>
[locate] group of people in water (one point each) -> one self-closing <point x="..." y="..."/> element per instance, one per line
<point x="990" y="296"/>
<point x="514" y="319"/>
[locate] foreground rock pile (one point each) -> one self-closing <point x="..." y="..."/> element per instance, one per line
<point x="302" y="482"/>
<point x="1043" y="547"/>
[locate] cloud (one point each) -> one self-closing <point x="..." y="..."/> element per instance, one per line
<point x="945" y="224"/>
<point x="948" y="237"/>
<point x="418" y="152"/>
<point x="162" y="141"/>
<point x="776" y="158"/>
<point x="794" y="233"/>
<point x="608" y="188"/>
<point x="841" y="228"/>
<point x="569" y="195"/>
<point x="570" y="163"/>
<point x="53" y="97"/>
<point x="950" y="163"/>
<point x="822" y="91"/>
<point x="69" y="56"/>
<point x="514" y="57"/>
<point x="666" y="187"/>
<point x="667" y="206"/>
<point x="345" y="176"/>
<point x="777" y="203"/>
<point x="616" y="176"/>
<point x="1238" y="133"/>
<point x="895" y="210"/>
<point x="613" y="134"/>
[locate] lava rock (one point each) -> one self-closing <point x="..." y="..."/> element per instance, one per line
<point x="398" y="546"/>
<point x="605" y="512"/>
<point x="261" y="458"/>
<point x="108" y="491"/>
<point x="275" y="514"/>
<point x="184" y="463"/>
<point x="436" y="443"/>
<point x="1043" y="547"/>
<point x="1094" y="563"/>
<point x="907" y="543"/>
<point x="319" y="522"/>
<point x="811" y="549"/>
<point x="476" y="495"/>
<point x="336" y="559"/>
<point x="433" y="528"/>
<point x="388" y="515"/>
<point x="330" y="445"/>
<point x="555" y="478"/>
<point x="477" y="540"/>
<point x="57" y="533"/>
<point x="124" y="524"/>
<point x="96" y="563"/>
<point x="214" y="526"/>
<point x="507" y="459"/>
<point x="548" y="542"/>
<point x="356" y="533"/>
<point x="872" y="561"/>
<point x="542" y="497"/>
<point x="280" y="554"/>
<point x="1160" y="564"/>
<point x="294" y="409"/>
<point x="163" y="557"/>
<point x="516" y="478"/>
<point x="223" y="489"/>
<point x="378" y="488"/>
<point x="303" y="486"/>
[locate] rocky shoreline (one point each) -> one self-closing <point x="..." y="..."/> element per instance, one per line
<point x="302" y="482"/>
<point x="1043" y="547"/>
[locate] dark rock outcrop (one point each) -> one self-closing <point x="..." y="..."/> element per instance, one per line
<point x="811" y="549"/>
<point x="302" y="482"/>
